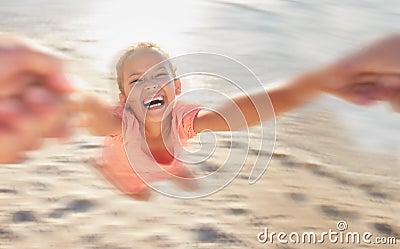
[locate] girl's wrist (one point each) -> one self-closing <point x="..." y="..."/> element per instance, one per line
<point x="329" y="78"/>
<point x="316" y="80"/>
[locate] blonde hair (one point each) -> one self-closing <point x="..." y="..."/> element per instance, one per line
<point x="132" y="49"/>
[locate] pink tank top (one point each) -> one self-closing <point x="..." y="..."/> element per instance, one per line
<point x="120" y="152"/>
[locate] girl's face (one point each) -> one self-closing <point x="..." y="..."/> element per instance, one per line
<point x="149" y="85"/>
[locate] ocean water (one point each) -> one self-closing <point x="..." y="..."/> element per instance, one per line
<point x="275" y="39"/>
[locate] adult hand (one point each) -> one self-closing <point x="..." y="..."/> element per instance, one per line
<point x="369" y="75"/>
<point x="33" y="89"/>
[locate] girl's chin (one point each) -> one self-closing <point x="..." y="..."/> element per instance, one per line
<point x="155" y="115"/>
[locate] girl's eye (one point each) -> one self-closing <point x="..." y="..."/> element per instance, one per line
<point x="161" y="75"/>
<point x="136" y="81"/>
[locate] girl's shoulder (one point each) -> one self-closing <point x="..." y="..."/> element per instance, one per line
<point x="184" y="113"/>
<point x="183" y="108"/>
<point x="120" y="110"/>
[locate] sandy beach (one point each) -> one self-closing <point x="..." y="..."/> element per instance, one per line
<point x="320" y="172"/>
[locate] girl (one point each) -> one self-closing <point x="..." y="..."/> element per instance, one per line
<point x="154" y="125"/>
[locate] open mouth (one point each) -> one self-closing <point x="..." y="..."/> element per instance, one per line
<point x="154" y="102"/>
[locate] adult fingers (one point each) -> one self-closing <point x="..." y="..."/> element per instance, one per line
<point x="381" y="56"/>
<point x="18" y="130"/>
<point x="21" y="55"/>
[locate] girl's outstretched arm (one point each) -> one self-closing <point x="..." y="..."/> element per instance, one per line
<point x="363" y="77"/>
<point x="96" y="115"/>
<point x="251" y="109"/>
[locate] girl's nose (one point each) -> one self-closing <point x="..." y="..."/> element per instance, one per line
<point x="152" y="86"/>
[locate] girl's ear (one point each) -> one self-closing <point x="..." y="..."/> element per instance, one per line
<point x="178" y="86"/>
<point x="122" y="98"/>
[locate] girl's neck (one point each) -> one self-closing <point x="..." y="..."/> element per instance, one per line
<point x="156" y="130"/>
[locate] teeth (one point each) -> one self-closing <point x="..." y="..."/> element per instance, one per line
<point x="147" y="101"/>
<point x="153" y="102"/>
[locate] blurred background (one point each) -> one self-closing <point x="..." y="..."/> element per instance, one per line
<point x="332" y="160"/>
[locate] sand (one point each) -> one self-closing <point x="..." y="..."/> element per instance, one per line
<point x="55" y="200"/>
